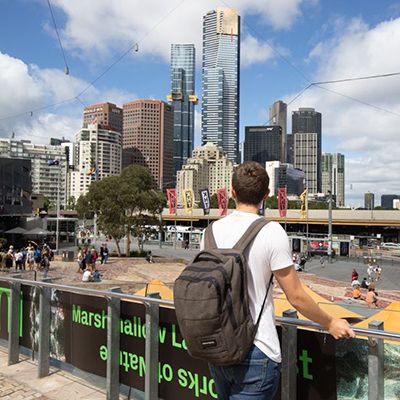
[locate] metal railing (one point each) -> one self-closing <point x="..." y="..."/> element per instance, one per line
<point x="289" y="323"/>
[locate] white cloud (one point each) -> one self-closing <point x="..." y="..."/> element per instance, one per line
<point x="25" y="88"/>
<point x="253" y="51"/>
<point x="372" y="134"/>
<point x="102" y="27"/>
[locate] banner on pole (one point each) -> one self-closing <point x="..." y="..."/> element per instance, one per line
<point x="282" y="201"/>
<point x="205" y="201"/>
<point x="188" y="200"/>
<point x="172" y="200"/>
<point x="304" y="204"/>
<point x="222" y="195"/>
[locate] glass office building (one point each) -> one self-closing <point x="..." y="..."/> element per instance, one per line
<point x="183" y="99"/>
<point x="221" y="60"/>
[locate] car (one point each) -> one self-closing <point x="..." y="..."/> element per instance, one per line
<point x="390" y="245"/>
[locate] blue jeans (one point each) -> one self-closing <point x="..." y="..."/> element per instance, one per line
<point x="255" y="378"/>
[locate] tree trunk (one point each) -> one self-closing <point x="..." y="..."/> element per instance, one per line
<point x="118" y="249"/>
<point x="128" y="243"/>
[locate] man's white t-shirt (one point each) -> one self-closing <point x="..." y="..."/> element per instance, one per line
<point x="270" y="251"/>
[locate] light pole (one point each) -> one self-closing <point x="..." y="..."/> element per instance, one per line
<point x="58" y="209"/>
<point x="330" y="216"/>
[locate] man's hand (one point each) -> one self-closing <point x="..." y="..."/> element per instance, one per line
<point x="340" y="329"/>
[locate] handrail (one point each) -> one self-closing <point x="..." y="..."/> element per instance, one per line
<point x="377" y="334"/>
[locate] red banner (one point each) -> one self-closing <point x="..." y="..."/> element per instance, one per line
<point x="282" y="201"/>
<point x="222" y="196"/>
<point x="172" y="200"/>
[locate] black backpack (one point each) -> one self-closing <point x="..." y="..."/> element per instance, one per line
<point x="212" y="302"/>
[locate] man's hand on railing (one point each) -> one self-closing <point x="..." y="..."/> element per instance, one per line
<point x="340" y="329"/>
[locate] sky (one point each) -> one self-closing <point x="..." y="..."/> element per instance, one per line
<point x="285" y="46"/>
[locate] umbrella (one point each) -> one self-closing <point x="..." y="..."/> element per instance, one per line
<point x="38" y="232"/>
<point x="17" y="230"/>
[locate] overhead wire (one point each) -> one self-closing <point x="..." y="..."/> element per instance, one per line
<point x="119" y="59"/>
<point x="58" y="36"/>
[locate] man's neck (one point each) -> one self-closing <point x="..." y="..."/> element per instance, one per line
<point x="250" y="208"/>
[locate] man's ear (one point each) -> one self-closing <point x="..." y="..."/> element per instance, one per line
<point x="233" y="194"/>
<point x="266" y="195"/>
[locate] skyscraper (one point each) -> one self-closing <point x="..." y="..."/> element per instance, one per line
<point x="306" y="158"/>
<point x="307" y="120"/>
<point x="333" y="176"/>
<point x="221" y="60"/>
<point x="278" y="116"/>
<point x="97" y="156"/>
<point x="263" y="143"/>
<point x="369" y="201"/>
<point x="106" y="115"/>
<point x="148" y="136"/>
<point x="183" y="98"/>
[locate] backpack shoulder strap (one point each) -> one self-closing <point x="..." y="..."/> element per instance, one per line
<point x="250" y="234"/>
<point x="209" y="239"/>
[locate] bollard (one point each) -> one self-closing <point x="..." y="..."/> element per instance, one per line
<point x="151" y="354"/>
<point x="113" y="344"/>
<point x="375" y="364"/>
<point x="44" y="330"/>
<point x="289" y="358"/>
<point x="14" y="322"/>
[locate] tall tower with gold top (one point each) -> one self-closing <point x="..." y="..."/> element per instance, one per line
<point x="220" y="80"/>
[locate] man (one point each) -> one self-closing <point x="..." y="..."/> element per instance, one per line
<point x="257" y="377"/>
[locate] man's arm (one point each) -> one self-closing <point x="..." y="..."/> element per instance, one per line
<point x="301" y="301"/>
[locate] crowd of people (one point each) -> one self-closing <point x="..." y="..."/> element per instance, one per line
<point x="32" y="257"/>
<point x="371" y="297"/>
<point x="87" y="259"/>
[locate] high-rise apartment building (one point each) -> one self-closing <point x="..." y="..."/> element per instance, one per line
<point x="283" y="175"/>
<point x="369" y="201"/>
<point x="220" y="80"/>
<point x="278" y="116"/>
<point x="97" y="156"/>
<point x="333" y="176"/>
<point x="306" y="158"/>
<point x="148" y="139"/>
<point x="47" y="180"/>
<point x="209" y="168"/>
<point x="307" y="120"/>
<point x="263" y="143"/>
<point x="183" y="99"/>
<point x="107" y="115"/>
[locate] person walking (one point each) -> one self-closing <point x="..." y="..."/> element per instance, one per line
<point x="30" y="259"/>
<point x="269" y="254"/>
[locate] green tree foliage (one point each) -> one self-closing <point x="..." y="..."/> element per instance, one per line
<point x="46" y="203"/>
<point x="71" y="203"/>
<point x="122" y="204"/>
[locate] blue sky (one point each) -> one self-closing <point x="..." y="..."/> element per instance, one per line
<point x="317" y="40"/>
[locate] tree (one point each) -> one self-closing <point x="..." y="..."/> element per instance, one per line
<point x="46" y="203"/>
<point x="71" y="203"/>
<point x="142" y="203"/>
<point x="214" y="202"/>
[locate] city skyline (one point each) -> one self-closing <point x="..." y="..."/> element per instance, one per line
<point x="32" y="70"/>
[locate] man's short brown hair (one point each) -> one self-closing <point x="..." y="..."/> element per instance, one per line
<point x="250" y="182"/>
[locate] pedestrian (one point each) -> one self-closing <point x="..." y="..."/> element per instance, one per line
<point x="102" y="254"/>
<point x="30" y="251"/>
<point x="354" y="275"/>
<point x="10" y="257"/>
<point x="88" y="259"/>
<point x="372" y="296"/>
<point x="37" y="256"/>
<point x="94" y="259"/>
<point x="105" y="254"/>
<point x="356" y="290"/>
<point x="19" y="258"/>
<point x="364" y="283"/>
<point x="269" y="254"/>
<point x="149" y="257"/>
<point x="79" y="258"/>
<point x="45" y="261"/>
<point x="322" y="261"/>
<point x="187" y="244"/>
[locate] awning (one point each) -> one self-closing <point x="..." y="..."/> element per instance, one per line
<point x="17" y="230"/>
<point x="38" y="232"/>
<point x="390" y="317"/>
<point x="282" y="304"/>
<point x="156" y="286"/>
